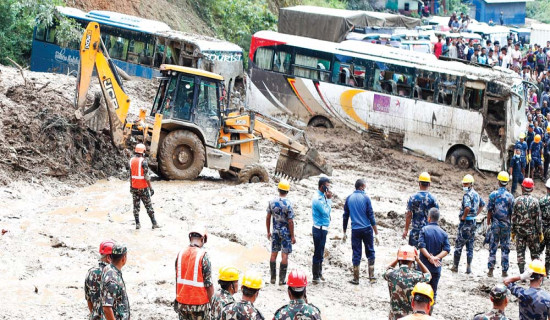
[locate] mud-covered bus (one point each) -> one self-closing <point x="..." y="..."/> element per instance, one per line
<point x="447" y="110"/>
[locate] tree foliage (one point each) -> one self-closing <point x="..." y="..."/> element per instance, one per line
<point x="539" y="10"/>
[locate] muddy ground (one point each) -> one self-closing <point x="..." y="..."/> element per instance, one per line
<point x="56" y="223"/>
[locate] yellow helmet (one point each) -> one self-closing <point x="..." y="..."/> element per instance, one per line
<point x="284" y="185"/>
<point x="537" y="138"/>
<point x="425" y="289"/>
<point x="468" y="179"/>
<point x="538" y="267"/>
<point x="229" y="274"/>
<point x="424" y="177"/>
<point x="503" y="176"/>
<point x="522" y="135"/>
<point x="548" y="129"/>
<point x="252" y="280"/>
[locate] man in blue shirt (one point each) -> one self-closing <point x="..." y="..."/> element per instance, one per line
<point x="535" y="156"/>
<point x="434" y="245"/>
<point x="517" y="169"/>
<point x="320" y="207"/>
<point x="359" y="208"/>
<point x="546" y="144"/>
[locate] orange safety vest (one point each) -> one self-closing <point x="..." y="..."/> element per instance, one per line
<point x="189" y="278"/>
<point x="138" y="176"/>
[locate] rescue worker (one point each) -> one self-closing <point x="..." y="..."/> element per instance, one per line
<point x="229" y="285"/>
<point x="472" y="204"/>
<point x="93" y="280"/>
<point x="114" y="298"/>
<point x="358" y="207"/>
<point x="140" y="185"/>
<point x="522" y="145"/>
<point x="530" y="136"/>
<point x="194" y="288"/>
<point x="417" y="209"/>
<point x="422" y="301"/>
<point x="321" y="208"/>
<point x="298" y="308"/>
<point x="546" y="155"/>
<point x="434" y="246"/>
<point x="280" y="209"/>
<point x="534" y="302"/>
<point x="244" y="309"/>
<point x="499" y="212"/>
<point x="499" y="297"/>
<point x="535" y="156"/>
<point x="517" y="169"/>
<point x="544" y="204"/>
<point x="402" y="280"/>
<point x="526" y="224"/>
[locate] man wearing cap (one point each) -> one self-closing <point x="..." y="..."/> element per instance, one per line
<point x="544" y="204"/>
<point x="93" y="280"/>
<point x="499" y="297"/>
<point x="417" y="209"/>
<point x="229" y="285"/>
<point x="280" y="209"/>
<point x="298" y="308"/>
<point x="499" y="211"/>
<point x="534" y="302"/>
<point x="321" y="208"/>
<point x="194" y="288"/>
<point x="140" y="185"/>
<point x="526" y="224"/>
<point x="472" y="204"/>
<point x="402" y="280"/>
<point x="114" y="299"/>
<point x="245" y="309"/>
<point x="358" y="207"/>
<point x="422" y="301"/>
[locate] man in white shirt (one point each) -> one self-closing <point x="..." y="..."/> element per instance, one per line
<point x="516" y="56"/>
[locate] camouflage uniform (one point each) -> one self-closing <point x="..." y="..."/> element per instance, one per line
<point x="92" y="289"/>
<point x="242" y="310"/>
<point x="467" y="228"/>
<point x="419" y="204"/>
<point x="196" y="312"/>
<point x="142" y="195"/>
<point x="534" y="304"/>
<point x="501" y="203"/>
<point x="526" y="225"/>
<point x="219" y="300"/>
<point x="113" y="289"/>
<point x="401" y="282"/>
<point x="494" y="314"/>
<point x="298" y="309"/>
<point x="544" y="204"/>
<point x="281" y="211"/>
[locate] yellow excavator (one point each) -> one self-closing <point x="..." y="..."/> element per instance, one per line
<point x="189" y="126"/>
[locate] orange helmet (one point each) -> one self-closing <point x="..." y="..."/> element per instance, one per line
<point x="537" y="138"/>
<point x="140" y="148"/>
<point x="407" y="253"/>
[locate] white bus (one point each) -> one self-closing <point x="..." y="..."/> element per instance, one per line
<point x="444" y="109"/>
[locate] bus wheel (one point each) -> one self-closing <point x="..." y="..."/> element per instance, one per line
<point x="462" y="158"/>
<point x="320" y="122"/>
<point x="182" y="155"/>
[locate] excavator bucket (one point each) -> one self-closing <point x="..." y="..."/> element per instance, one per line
<point x="298" y="166"/>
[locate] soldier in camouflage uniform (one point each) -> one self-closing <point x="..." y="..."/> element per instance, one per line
<point x="544" y="204"/>
<point x="93" y="280"/>
<point x="140" y="185"/>
<point x="499" y="297"/>
<point x="280" y="209"/>
<point x="499" y="211"/>
<point x="526" y="223"/>
<point x="417" y="209"/>
<point x="244" y="309"/>
<point x="534" y="302"/>
<point x="114" y="300"/>
<point x="229" y="284"/>
<point x="298" y="308"/>
<point x="472" y="204"/>
<point x="402" y="280"/>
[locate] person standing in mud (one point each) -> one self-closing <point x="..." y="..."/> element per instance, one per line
<point x="93" y="280"/>
<point x="517" y="169"/>
<point x="321" y="208"/>
<point x="114" y="298"/>
<point x="140" y="185"/>
<point x="472" y="204"/>
<point x="417" y="209"/>
<point x="544" y="204"/>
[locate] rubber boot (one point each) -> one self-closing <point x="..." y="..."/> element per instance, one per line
<point x="273" y="269"/>
<point x="138" y="225"/>
<point x="490" y="273"/>
<point x="321" y="273"/>
<point x="372" y="279"/>
<point x="315" y="271"/>
<point x="282" y="274"/>
<point x="456" y="261"/>
<point x="469" y="265"/>
<point x="355" y="275"/>
<point x="154" y="222"/>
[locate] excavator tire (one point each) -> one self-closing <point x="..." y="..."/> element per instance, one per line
<point x="182" y="156"/>
<point x="253" y="174"/>
<point x="226" y="175"/>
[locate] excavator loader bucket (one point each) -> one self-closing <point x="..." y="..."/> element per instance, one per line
<point x="298" y="166"/>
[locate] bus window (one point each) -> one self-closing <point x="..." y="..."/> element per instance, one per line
<point x="424" y="89"/>
<point x="281" y="62"/>
<point x="344" y="76"/>
<point x="263" y="58"/>
<point x="40" y="32"/>
<point x="359" y="76"/>
<point x="311" y="67"/>
<point x="159" y="54"/>
<point x="404" y="84"/>
<point x="139" y="52"/>
<point x="473" y="98"/>
<point x="50" y="37"/>
<point x="117" y="47"/>
<point x="383" y="81"/>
